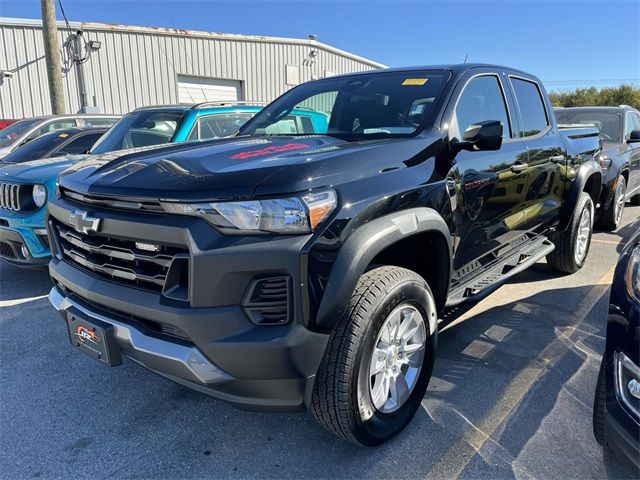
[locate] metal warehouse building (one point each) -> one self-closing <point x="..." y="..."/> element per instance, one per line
<point x="132" y="66"/>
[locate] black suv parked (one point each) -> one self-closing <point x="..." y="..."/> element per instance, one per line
<point x="616" y="409"/>
<point x="290" y="271"/>
<point x="620" y="132"/>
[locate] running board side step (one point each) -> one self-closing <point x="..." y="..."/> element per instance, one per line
<point x="482" y="285"/>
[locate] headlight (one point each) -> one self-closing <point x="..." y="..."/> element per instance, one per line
<point x="293" y="215"/>
<point x="39" y="195"/>
<point x="633" y="274"/>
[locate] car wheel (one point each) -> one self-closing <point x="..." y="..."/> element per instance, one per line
<point x="610" y="218"/>
<point x="572" y="244"/>
<point x="635" y="200"/>
<point x="379" y="358"/>
<point x="599" y="406"/>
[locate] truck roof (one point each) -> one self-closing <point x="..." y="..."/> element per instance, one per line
<point x="453" y="67"/>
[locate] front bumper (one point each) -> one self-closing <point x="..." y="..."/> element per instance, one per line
<point x="220" y="350"/>
<point x="12" y="251"/>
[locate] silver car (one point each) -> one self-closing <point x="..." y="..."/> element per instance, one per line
<point x="27" y="129"/>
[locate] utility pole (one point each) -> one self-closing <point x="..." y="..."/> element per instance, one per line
<point x="52" y="56"/>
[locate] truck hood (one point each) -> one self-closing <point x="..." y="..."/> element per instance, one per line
<point x="37" y="171"/>
<point x="231" y="168"/>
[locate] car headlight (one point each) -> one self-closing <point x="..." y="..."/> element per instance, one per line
<point x="39" y="195"/>
<point x="292" y="215"/>
<point x="633" y="274"/>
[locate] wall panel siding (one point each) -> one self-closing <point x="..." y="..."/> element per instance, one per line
<point x="138" y="66"/>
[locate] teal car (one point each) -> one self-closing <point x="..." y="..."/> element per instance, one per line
<point x="25" y="187"/>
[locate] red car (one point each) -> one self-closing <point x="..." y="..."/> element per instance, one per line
<point x="6" y="123"/>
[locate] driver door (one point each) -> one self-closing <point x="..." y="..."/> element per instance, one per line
<point x="487" y="187"/>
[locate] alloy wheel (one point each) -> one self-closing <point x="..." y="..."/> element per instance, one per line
<point x="397" y="358"/>
<point x="584" y="234"/>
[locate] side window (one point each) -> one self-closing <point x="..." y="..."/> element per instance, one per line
<point x="98" y="122"/>
<point x="481" y="100"/>
<point x="532" y="109"/>
<point x="52" y="127"/>
<point x="218" y="126"/>
<point x="632" y="123"/>
<point x="291" y="124"/>
<point x="81" y="144"/>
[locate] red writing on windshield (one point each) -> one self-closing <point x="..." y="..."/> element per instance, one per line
<point x="269" y="150"/>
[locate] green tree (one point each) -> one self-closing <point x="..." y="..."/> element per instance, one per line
<point x="592" y="96"/>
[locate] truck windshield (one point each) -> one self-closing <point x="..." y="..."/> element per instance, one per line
<point x="363" y="106"/>
<point x="139" y="129"/>
<point x="609" y="122"/>
<point x="10" y="134"/>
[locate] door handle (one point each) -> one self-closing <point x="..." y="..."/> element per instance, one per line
<point x="557" y="158"/>
<point x="519" y="167"/>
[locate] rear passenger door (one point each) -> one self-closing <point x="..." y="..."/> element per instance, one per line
<point x="546" y="154"/>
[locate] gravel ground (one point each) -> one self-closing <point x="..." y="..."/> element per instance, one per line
<point x="511" y="397"/>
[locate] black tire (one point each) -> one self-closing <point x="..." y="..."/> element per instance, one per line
<point x="341" y="400"/>
<point x="599" y="407"/>
<point x="610" y="218"/>
<point x="635" y="200"/>
<point x="563" y="257"/>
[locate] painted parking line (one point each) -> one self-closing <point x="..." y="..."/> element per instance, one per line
<point x="453" y="462"/>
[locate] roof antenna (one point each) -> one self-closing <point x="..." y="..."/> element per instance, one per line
<point x="465" y="58"/>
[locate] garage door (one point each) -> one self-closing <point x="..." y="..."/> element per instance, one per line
<point x="203" y="89"/>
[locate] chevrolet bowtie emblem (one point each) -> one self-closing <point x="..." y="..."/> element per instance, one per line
<point x="84" y="223"/>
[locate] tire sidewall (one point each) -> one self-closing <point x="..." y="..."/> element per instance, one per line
<point x="621" y="181"/>
<point x="373" y="427"/>
<point x="584" y="202"/>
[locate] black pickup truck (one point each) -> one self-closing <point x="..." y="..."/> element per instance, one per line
<point x="281" y="272"/>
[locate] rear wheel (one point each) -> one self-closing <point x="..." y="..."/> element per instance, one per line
<point x="379" y="358"/>
<point x="610" y="218"/>
<point x="572" y="244"/>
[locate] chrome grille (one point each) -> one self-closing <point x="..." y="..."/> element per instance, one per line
<point x="10" y="196"/>
<point x="117" y="259"/>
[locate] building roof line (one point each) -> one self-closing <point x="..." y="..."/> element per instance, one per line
<point x="93" y="26"/>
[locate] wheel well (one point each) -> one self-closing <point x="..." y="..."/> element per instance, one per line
<point x="592" y="186"/>
<point x="625" y="174"/>
<point x="427" y="254"/>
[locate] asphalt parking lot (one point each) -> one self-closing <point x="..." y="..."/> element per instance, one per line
<point x="511" y="397"/>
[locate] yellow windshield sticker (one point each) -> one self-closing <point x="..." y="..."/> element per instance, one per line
<point x="415" y="81"/>
<point x="63" y="135"/>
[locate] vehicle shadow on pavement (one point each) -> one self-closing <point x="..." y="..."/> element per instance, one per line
<point x="19" y="283"/>
<point x="512" y="385"/>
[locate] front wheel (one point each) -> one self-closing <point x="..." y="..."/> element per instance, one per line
<point x="379" y="359"/>
<point x="572" y="244"/>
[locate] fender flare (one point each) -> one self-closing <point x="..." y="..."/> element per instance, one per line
<point x="585" y="171"/>
<point x="362" y="246"/>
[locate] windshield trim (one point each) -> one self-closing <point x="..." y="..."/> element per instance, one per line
<point x="426" y="122"/>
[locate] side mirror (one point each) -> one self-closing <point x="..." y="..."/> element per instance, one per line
<point x="634" y="137"/>
<point x="478" y="136"/>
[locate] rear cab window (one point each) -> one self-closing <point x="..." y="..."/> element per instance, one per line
<point x="531" y="104"/>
